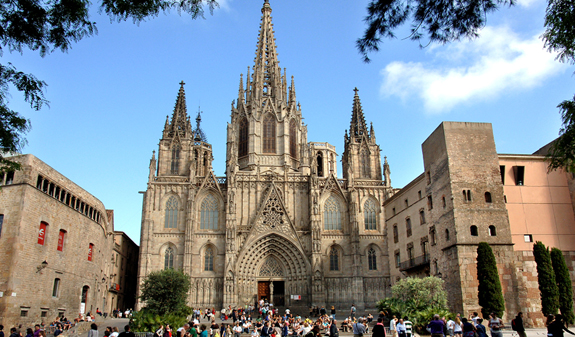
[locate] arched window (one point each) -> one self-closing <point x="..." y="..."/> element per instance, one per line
<point x="209" y="259"/>
<point x="169" y="258"/>
<point x="175" y="159"/>
<point x="365" y="164"/>
<point x="243" y="141"/>
<point x="209" y="213"/>
<point x="292" y="139"/>
<point x="171" y="213"/>
<point x="492" y="231"/>
<point x="269" y="134"/>
<point x="473" y="230"/>
<point x="333" y="259"/>
<point x="488" y="197"/>
<point x="319" y="164"/>
<point x="371" y="259"/>
<point x="331" y="214"/>
<point x="369" y="217"/>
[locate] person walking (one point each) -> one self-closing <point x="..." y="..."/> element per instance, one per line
<point x="518" y="326"/>
<point x="400" y="327"/>
<point x="358" y="328"/>
<point x="557" y="326"/>
<point x="480" y="328"/>
<point x="333" y="330"/>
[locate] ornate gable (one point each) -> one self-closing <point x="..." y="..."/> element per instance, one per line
<point x="211" y="182"/>
<point x="332" y="185"/>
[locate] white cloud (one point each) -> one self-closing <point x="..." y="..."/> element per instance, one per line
<point x="484" y="68"/>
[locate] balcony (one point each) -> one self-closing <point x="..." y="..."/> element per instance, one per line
<point x="114" y="287"/>
<point x="416" y="262"/>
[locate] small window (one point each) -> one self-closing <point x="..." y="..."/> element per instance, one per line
<point x="61" y="237"/>
<point x="466" y="195"/>
<point x="429" y="202"/>
<point x="44" y="313"/>
<point x="24" y="313"/>
<point x="393" y="210"/>
<point x="90" y="251"/>
<point x="487" y="197"/>
<point x="421" y="216"/>
<point x="528" y="237"/>
<point x="9" y="177"/>
<point x="406" y="203"/>
<point x="56" y="288"/>
<point x="42" y="233"/>
<point x="443" y="203"/>
<point x="397" y="259"/>
<point x="473" y="230"/>
<point x="408" y="226"/>
<point x="428" y="177"/>
<point x="505" y="198"/>
<point x="519" y="173"/>
<point x="395" y="234"/>
<point x="432" y="236"/>
<point x="1" y="222"/>
<point x="419" y="194"/>
<point x="446" y="234"/>
<point x="502" y="172"/>
<point x="492" y="231"/>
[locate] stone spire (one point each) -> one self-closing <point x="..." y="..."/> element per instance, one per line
<point x="266" y="72"/>
<point x="199" y="134"/>
<point x="180" y="123"/>
<point x="386" y="173"/>
<point x="357" y="126"/>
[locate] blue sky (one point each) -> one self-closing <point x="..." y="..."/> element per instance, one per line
<point x="110" y="93"/>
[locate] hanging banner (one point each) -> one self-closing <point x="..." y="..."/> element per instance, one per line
<point x="61" y="240"/>
<point x="42" y="233"/>
<point x="90" y="252"/>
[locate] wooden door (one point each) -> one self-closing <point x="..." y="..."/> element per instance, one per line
<point x="263" y="290"/>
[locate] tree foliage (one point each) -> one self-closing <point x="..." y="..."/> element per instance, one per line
<point x="166" y="292"/>
<point x="546" y="278"/>
<point x="563" y="284"/>
<point x="146" y="321"/>
<point x="418" y="299"/>
<point x="439" y="21"/>
<point x="489" y="291"/>
<point x="49" y="25"/>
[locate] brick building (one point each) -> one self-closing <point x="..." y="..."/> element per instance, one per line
<point x="56" y="244"/>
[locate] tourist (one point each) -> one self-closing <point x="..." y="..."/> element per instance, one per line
<point x="556" y="327"/>
<point x="408" y="327"/>
<point x="332" y="312"/>
<point x="436" y="326"/>
<point x="160" y="331"/>
<point x="358" y="328"/>
<point x="237" y="330"/>
<point x="467" y="328"/>
<point x="115" y="332"/>
<point x="480" y="328"/>
<point x="93" y="330"/>
<point x="400" y="328"/>
<point x="37" y="330"/>
<point x="333" y="330"/>
<point x="450" y="326"/>
<point x="457" y="330"/>
<point x="392" y="329"/>
<point x="474" y="317"/>
<point x="13" y="333"/>
<point x="1" y="330"/>
<point x="29" y="332"/>
<point x="495" y="324"/>
<point x="127" y="332"/>
<point x="352" y="311"/>
<point x="379" y="328"/>
<point x="519" y="325"/>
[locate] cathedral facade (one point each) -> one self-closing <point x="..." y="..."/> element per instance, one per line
<point x="280" y="225"/>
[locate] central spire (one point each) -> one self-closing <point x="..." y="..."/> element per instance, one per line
<point x="357" y="126"/>
<point x="267" y="79"/>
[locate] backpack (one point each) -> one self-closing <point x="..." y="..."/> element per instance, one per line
<point x="513" y="325"/>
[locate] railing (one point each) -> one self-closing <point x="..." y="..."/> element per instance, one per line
<point x="322" y="144"/>
<point x="209" y="146"/>
<point x="415" y="262"/>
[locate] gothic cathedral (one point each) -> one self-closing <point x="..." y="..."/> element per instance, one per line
<point x="280" y="225"/>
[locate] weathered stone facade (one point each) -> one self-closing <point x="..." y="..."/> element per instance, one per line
<point x="279" y="223"/>
<point x="56" y="242"/>
<point x="470" y="194"/>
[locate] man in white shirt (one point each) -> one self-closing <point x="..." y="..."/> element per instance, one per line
<point x="392" y="326"/>
<point x="450" y="327"/>
<point x="408" y="327"/>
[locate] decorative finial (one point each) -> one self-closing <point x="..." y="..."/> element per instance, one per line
<point x="356" y="90"/>
<point x="182" y="83"/>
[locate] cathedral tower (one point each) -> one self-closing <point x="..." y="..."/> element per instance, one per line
<point x="361" y="158"/>
<point x="266" y="127"/>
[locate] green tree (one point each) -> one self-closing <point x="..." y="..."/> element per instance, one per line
<point x="563" y="284"/>
<point x="489" y="290"/>
<point x="46" y="26"/>
<point x="546" y="278"/>
<point x="166" y="292"/>
<point x="444" y="21"/>
<point x="418" y="299"/>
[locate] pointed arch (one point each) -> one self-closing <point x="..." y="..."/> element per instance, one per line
<point x="370" y="215"/>
<point x="334" y="253"/>
<point x="293" y="138"/>
<point x="365" y="158"/>
<point x="171" y="215"/>
<point x="332" y="214"/>
<point x="371" y="258"/>
<point x="243" y="138"/>
<point x="175" y="167"/>
<point x="269" y="134"/>
<point x="169" y="258"/>
<point x="209" y="258"/>
<point x="209" y="213"/>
